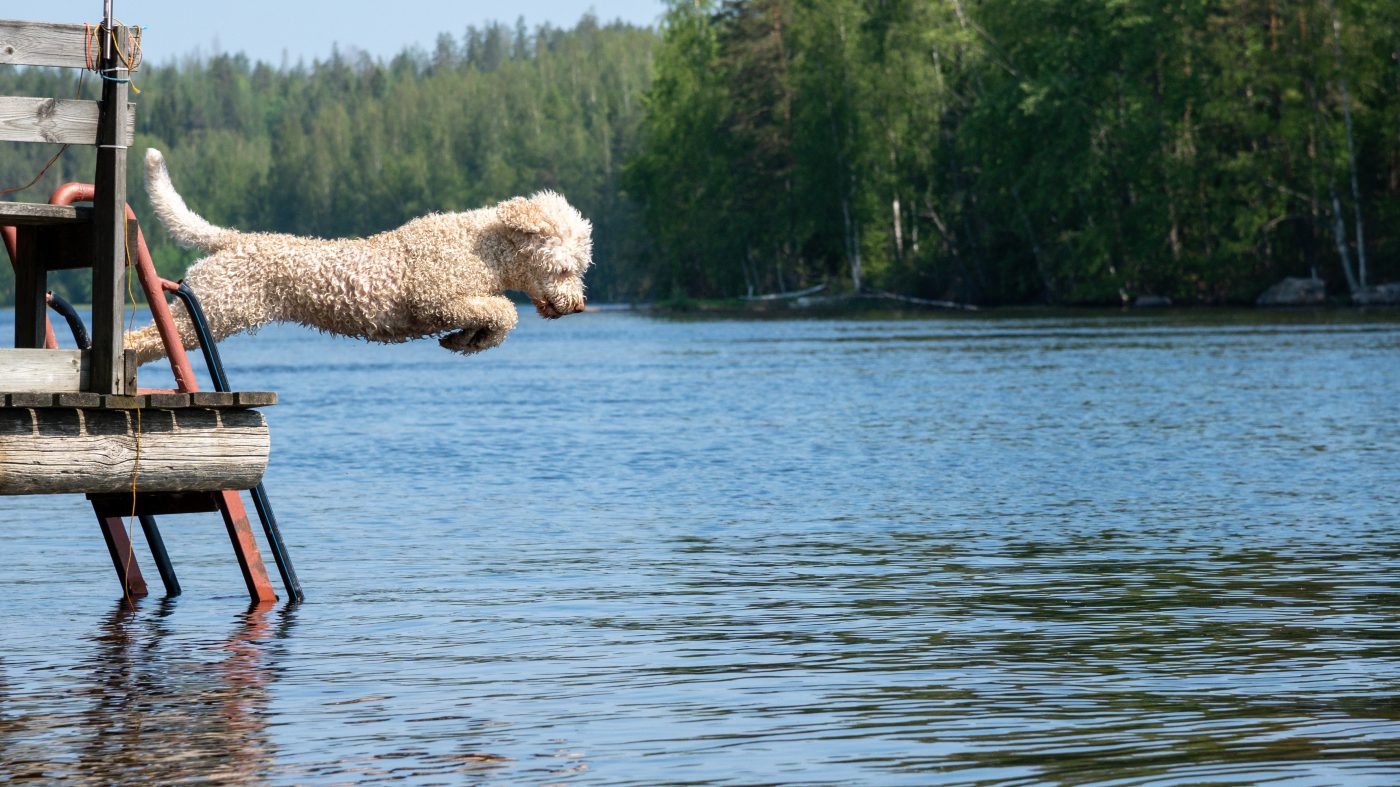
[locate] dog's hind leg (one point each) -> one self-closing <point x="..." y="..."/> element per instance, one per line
<point x="482" y="322"/>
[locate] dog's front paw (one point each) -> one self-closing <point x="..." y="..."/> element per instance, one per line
<point x="470" y="341"/>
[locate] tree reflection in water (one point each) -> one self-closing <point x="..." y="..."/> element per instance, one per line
<point x="153" y="711"/>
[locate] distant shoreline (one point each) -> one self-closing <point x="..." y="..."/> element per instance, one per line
<point x="854" y="306"/>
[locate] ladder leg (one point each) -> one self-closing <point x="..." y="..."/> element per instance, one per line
<point x="245" y="547"/>
<point x="119" y="546"/>
<point x="157" y="544"/>
<point x="274" y="541"/>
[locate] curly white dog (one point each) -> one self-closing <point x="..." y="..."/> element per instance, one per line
<point x="439" y="275"/>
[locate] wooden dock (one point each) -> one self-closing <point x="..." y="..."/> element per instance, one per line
<point x="74" y="420"/>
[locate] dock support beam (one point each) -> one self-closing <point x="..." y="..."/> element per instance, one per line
<point x="245" y="547"/>
<point x="128" y="571"/>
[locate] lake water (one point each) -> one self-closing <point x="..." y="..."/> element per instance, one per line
<point x="1009" y="549"/>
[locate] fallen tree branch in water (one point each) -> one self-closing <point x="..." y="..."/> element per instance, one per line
<point x="921" y="301"/>
<point x="783" y="296"/>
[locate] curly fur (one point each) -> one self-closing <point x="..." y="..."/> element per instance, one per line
<point x="440" y="275"/>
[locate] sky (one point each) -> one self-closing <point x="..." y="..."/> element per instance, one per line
<point x="265" y="29"/>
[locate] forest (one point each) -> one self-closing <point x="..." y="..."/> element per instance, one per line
<point x="981" y="151"/>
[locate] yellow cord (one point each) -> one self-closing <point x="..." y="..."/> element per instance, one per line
<point x="131" y="61"/>
<point x="135" y="59"/>
<point x="136" y="465"/>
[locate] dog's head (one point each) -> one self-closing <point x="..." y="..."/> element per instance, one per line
<point x="554" y="247"/>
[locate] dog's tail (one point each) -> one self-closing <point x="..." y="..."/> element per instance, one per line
<point x="187" y="228"/>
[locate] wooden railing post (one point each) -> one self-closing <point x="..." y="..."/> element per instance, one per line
<point x="30" y="283"/>
<point x="109" y="225"/>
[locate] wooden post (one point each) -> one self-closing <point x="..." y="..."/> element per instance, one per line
<point x="31" y="280"/>
<point x="109" y="223"/>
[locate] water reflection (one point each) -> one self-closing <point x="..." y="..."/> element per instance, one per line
<point x="151" y="710"/>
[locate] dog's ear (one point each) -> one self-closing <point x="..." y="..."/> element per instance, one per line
<point x="523" y="215"/>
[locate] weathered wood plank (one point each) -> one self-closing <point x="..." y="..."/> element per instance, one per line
<point x="166" y="400"/>
<point x="47" y="371"/>
<point x="256" y="398"/>
<point x="129" y="369"/>
<point x="212" y="399"/>
<point x="94" y="451"/>
<point x="42" y="44"/>
<point x="59" y="247"/>
<point x="77" y="399"/>
<point x="27" y="214"/>
<point x="30" y="399"/>
<point x="25" y="369"/>
<point x="58" y="120"/>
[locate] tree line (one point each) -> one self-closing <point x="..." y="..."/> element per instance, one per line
<point x="1022" y="151"/>
<point x="984" y="151"/>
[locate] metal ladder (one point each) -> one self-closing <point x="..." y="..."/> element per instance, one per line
<point x="219" y="377"/>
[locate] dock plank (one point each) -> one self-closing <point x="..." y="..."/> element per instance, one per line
<point x="85" y="400"/>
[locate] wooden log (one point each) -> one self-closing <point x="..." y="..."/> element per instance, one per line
<point x="42" y="44"/>
<point x="61" y="121"/>
<point x="49" y="371"/>
<point x="45" y="451"/>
